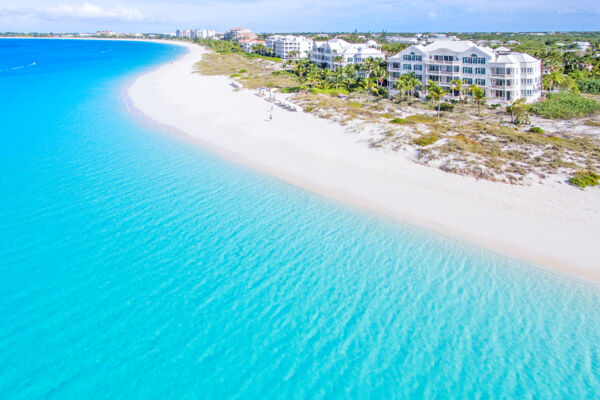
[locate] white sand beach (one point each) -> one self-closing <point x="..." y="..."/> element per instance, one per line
<point x="554" y="225"/>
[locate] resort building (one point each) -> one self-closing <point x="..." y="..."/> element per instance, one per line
<point x="286" y="46"/>
<point x="238" y="34"/>
<point x="504" y="75"/>
<point x="248" y="44"/>
<point x="338" y="53"/>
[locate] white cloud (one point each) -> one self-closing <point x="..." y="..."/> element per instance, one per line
<point x="86" y="11"/>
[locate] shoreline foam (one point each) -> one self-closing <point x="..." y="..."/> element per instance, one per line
<point x="554" y="226"/>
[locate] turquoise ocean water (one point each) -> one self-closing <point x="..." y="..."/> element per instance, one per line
<point x="134" y="265"/>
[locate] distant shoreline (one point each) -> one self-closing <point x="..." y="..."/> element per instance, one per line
<point x="552" y="226"/>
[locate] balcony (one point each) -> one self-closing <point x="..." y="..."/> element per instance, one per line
<point x="443" y="62"/>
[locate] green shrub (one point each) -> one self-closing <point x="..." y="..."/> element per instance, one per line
<point x="584" y="178"/>
<point x="589" y="85"/>
<point x="235" y="76"/>
<point x="293" y="89"/>
<point x="398" y="121"/>
<point x="566" y="105"/>
<point x="242" y="71"/>
<point x="536" y="129"/>
<point x="592" y="123"/>
<point x="331" y="92"/>
<point x="446" y="107"/>
<point x="421" y="118"/>
<point x="426" y="140"/>
<point x="355" y="104"/>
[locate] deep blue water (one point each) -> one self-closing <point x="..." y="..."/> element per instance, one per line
<point x="134" y="265"/>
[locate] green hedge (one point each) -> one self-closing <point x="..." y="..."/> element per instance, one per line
<point x="566" y="105"/>
<point x="589" y="85"/>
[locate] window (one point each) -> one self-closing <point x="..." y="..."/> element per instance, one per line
<point x="527" y="92"/>
<point x="448" y="68"/>
<point x="407" y="67"/>
<point x="473" y="60"/>
<point x="456" y="68"/>
<point x="412" y="57"/>
<point x="468" y="81"/>
<point x="480" y="71"/>
<point x="419" y="77"/>
<point x="418" y="67"/>
<point x="434" y="68"/>
<point x="396" y="65"/>
<point x="467" y="70"/>
<point x="434" y="78"/>
<point x="349" y="59"/>
<point x="480" y="82"/>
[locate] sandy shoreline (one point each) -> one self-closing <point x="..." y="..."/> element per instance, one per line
<point x="554" y="226"/>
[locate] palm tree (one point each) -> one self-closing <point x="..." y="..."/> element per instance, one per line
<point x="401" y="85"/>
<point x="458" y="86"/>
<point x="313" y="75"/>
<point x="369" y="85"/>
<point x="553" y="80"/>
<point x="260" y="48"/>
<point x="338" y="60"/>
<point x="513" y="108"/>
<point x="436" y="93"/>
<point x="479" y="95"/>
<point x="412" y="82"/>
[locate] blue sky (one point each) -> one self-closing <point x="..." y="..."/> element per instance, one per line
<point x="300" y="15"/>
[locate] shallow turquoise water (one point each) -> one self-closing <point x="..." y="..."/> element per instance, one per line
<point x="134" y="265"/>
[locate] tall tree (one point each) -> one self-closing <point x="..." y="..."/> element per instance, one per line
<point x="479" y="95"/>
<point x="457" y="85"/>
<point x="436" y="93"/>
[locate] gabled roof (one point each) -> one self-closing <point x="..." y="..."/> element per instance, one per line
<point x="457" y="46"/>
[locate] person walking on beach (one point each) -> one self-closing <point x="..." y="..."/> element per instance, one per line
<point x="271" y="117"/>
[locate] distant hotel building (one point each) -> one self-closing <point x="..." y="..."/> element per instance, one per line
<point x="239" y="34"/>
<point x="195" y="33"/>
<point x="285" y="46"/>
<point x="248" y="44"/>
<point x="505" y="75"/>
<point x="338" y="53"/>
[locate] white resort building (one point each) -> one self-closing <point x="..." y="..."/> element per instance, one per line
<point x="238" y="34"/>
<point x="288" y="45"/>
<point x="248" y="44"/>
<point x="505" y="75"/>
<point x="338" y="53"/>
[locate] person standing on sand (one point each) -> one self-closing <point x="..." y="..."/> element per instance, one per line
<point x="271" y="117"/>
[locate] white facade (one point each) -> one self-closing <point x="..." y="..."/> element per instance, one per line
<point x="195" y="33"/>
<point x="282" y="46"/>
<point x="504" y="75"/>
<point x="248" y="44"/>
<point x="338" y="53"/>
<point x="184" y="33"/>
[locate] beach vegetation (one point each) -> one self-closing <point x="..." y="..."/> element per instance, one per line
<point x="565" y="105"/>
<point x="584" y="179"/>
<point x="398" y="121"/>
<point x="446" y="106"/>
<point x="426" y="140"/>
<point x="536" y="129"/>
